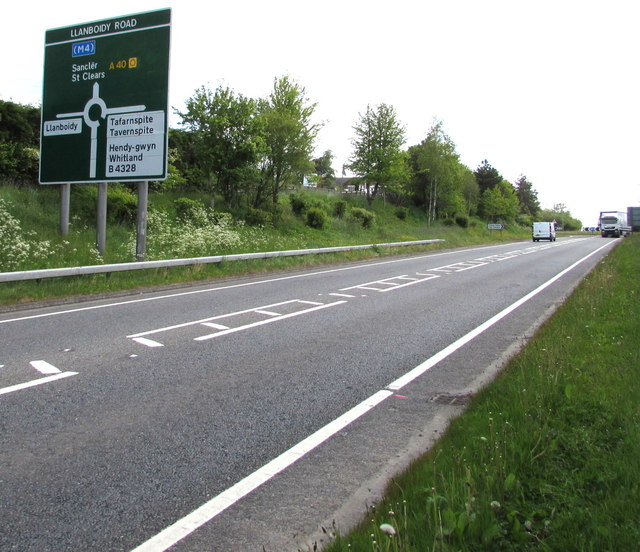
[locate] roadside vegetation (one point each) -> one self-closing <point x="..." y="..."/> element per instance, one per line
<point x="181" y="227"/>
<point x="240" y="175"/>
<point x="546" y="457"/>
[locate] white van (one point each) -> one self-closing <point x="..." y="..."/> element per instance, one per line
<point x="544" y="231"/>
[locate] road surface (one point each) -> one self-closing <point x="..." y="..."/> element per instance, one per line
<point x="253" y="413"/>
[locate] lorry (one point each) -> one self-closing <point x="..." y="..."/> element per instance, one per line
<point x="633" y="218"/>
<point x="614" y="224"/>
<point x="544" y="231"/>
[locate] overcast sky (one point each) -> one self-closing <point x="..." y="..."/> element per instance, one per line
<point x="547" y="88"/>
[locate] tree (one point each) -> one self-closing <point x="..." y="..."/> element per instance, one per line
<point x="500" y="202"/>
<point x="377" y="157"/>
<point x="324" y="169"/>
<point x="470" y="190"/>
<point x="227" y="138"/>
<point x="19" y="141"/>
<point x="562" y="216"/>
<point x="527" y="196"/>
<point x="289" y="137"/>
<point x="437" y="174"/>
<point x="487" y="177"/>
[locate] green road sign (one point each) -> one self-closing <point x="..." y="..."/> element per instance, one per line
<point x="105" y="100"/>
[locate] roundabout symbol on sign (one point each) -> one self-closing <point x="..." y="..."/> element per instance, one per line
<point x="93" y="124"/>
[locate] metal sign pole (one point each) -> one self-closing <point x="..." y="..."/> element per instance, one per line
<point x="101" y="218"/>
<point x="141" y="238"/>
<point x="65" y="200"/>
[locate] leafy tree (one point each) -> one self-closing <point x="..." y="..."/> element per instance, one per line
<point x="527" y="196"/>
<point x="19" y="141"/>
<point x="227" y="138"/>
<point x="289" y="137"/>
<point x="500" y="202"/>
<point x="562" y="216"/>
<point x="324" y="169"/>
<point x="487" y="177"/>
<point x="437" y="174"/>
<point x="470" y="190"/>
<point x="377" y="157"/>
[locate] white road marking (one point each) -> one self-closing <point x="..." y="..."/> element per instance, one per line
<point x="147" y="342"/>
<point x="245" y="284"/>
<point x="34" y="383"/>
<point x="44" y="367"/>
<point x="188" y="524"/>
<point x="205" y="513"/>
<point x="267" y="321"/>
<point x="215" y="326"/>
<point x="268" y="313"/>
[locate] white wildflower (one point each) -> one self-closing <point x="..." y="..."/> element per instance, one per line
<point x="388" y="529"/>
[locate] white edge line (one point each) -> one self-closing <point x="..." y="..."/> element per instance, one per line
<point x="205" y="513"/>
<point x="444" y="353"/>
<point x="39" y="381"/>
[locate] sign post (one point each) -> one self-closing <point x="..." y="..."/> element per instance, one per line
<point x="105" y="100"/>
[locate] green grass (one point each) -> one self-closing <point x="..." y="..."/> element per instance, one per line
<point x="547" y="456"/>
<point x="32" y="240"/>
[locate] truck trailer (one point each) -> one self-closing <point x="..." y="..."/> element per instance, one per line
<point x="633" y="218"/>
<point x="614" y="224"/>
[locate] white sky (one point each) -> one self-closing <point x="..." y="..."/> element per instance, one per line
<point x="546" y="88"/>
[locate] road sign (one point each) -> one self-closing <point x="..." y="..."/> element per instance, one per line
<point x="105" y="100"/>
<point x="495" y="226"/>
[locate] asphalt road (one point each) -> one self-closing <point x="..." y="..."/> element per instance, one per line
<point x="249" y="414"/>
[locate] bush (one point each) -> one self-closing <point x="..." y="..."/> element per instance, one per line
<point x="339" y="209"/>
<point x="401" y="213"/>
<point x="462" y="222"/>
<point x="122" y="205"/>
<point x="189" y="210"/>
<point x="258" y="217"/>
<point x="448" y="222"/>
<point x="365" y="218"/>
<point x="298" y="204"/>
<point x="316" y="218"/>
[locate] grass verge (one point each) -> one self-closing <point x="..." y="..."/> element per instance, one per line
<point x="545" y="458"/>
<point x="29" y="240"/>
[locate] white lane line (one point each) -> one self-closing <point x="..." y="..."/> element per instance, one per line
<point x="447" y="351"/>
<point x="44" y="367"/>
<point x="147" y="342"/>
<point x="205" y="513"/>
<point x="348" y="296"/>
<point x="266" y="321"/>
<point x="40" y="381"/>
